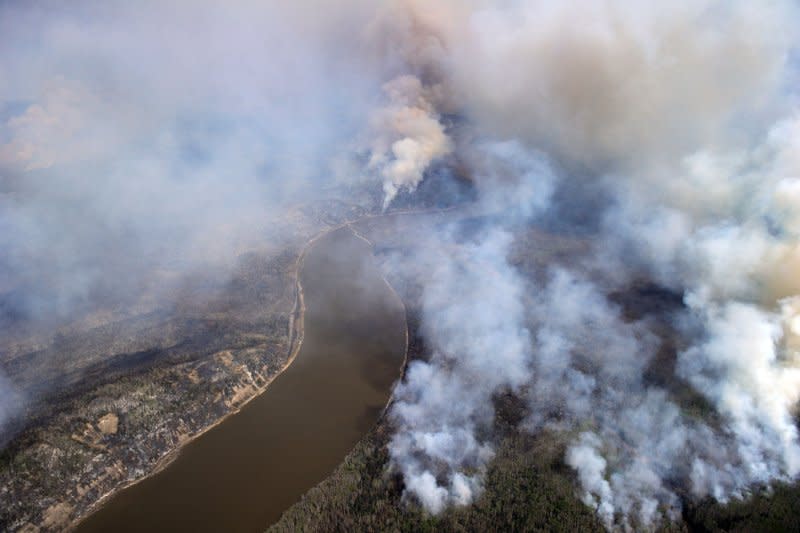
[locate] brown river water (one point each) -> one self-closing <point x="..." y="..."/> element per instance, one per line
<point x="242" y="474"/>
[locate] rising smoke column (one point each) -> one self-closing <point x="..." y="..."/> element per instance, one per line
<point x="410" y="136"/>
<point x="473" y="317"/>
<point x="181" y="146"/>
<point x="443" y="402"/>
<point x="684" y="116"/>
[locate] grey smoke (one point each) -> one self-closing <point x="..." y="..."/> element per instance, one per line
<point x="443" y="401"/>
<point x="409" y="136"/>
<point x="683" y="117"/>
<point x="145" y="147"/>
<point x="11" y="402"/>
<point x="641" y="453"/>
<point x="139" y="146"/>
<point x="126" y="134"/>
<point x="473" y="316"/>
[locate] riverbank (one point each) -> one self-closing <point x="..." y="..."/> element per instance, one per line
<point x="527" y="485"/>
<point x="148" y="384"/>
<point x="296" y="332"/>
<point x="115" y="433"/>
<point x="245" y="472"/>
<point x="58" y="472"/>
<point x="296" y="335"/>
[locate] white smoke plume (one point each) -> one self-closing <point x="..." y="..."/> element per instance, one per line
<point x="442" y="402"/>
<point x="168" y="136"/>
<point x="642" y="453"/>
<point x="409" y="136"/>
<point x="143" y="147"/>
<point x="612" y="81"/>
<point x="684" y="117"/>
<point x="473" y="317"/>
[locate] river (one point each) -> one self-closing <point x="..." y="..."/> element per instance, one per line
<point x="242" y="474"/>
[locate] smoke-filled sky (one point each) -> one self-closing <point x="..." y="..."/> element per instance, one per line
<point x="671" y="131"/>
<point x="145" y="145"/>
<point x="134" y="137"/>
<point x="166" y="136"/>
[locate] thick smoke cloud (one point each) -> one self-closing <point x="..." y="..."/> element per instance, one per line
<point x="473" y="316"/>
<point x="409" y="136"/>
<point x="609" y="82"/>
<point x="443" y="402"/>
<point x="684" y="117"/>
<point x="164" y="137"/>
<point x="141" y="145"/>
